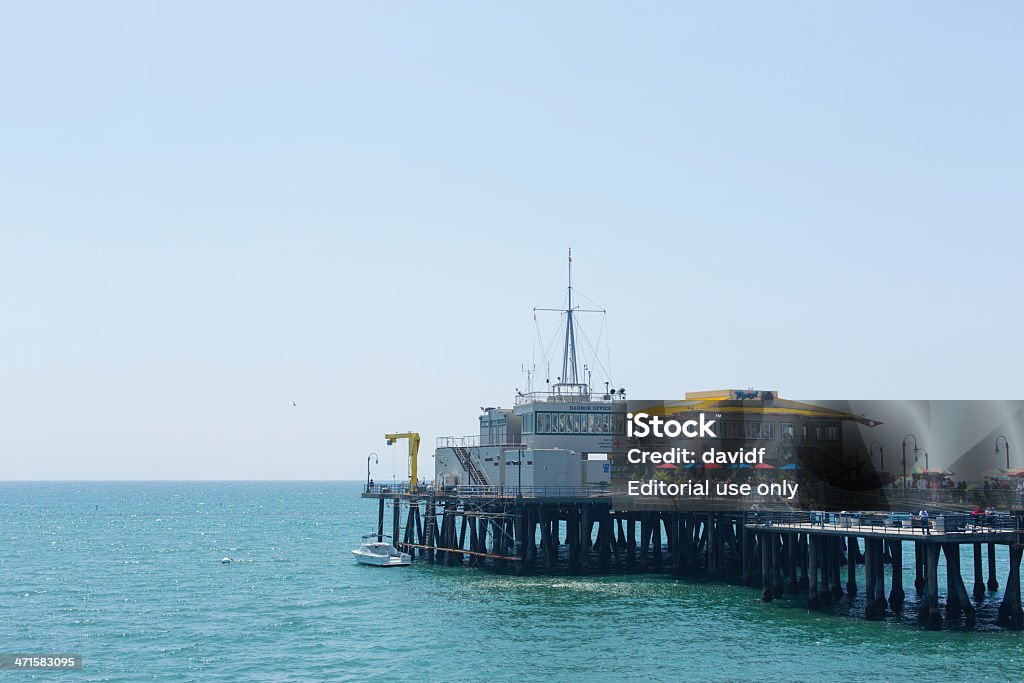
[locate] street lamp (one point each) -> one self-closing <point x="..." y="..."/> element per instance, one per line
<point x="519" y="466"/>
<point x="881" y="454"/>
<point x="908" y="436"/>
<point x="1007" y="443"/>
<point x="376" y="460"/>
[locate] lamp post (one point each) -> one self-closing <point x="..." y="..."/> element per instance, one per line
<point x="908" y="436"/>
<point x="881" y="454"/>
<point x="1007" y="443"/>
<point x="376" y="460"/>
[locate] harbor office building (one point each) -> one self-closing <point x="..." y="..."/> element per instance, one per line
<point x="554" y="441"/>
<point x="549" y="442"/>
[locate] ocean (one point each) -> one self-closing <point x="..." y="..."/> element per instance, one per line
<point x="129" y="576"/>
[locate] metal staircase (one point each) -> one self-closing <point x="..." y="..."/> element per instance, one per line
<point x="477" y="477"/>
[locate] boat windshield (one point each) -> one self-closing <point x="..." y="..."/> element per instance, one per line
<point x="382" y="549"/>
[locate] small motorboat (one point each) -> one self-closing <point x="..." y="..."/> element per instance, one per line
<point x="380" y="553"/>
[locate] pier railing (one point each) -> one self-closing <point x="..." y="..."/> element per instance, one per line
<point x="402" y="488"/>
<point x="885" y="521"/>
<point x="471" y="441"/>
<point x="1000" y="498"/>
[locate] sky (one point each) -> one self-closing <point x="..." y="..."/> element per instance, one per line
<point x="211" y="211"/>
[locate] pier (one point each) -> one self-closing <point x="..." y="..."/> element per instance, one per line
<point x="575" y="530"/>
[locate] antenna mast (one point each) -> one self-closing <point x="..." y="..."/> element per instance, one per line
<point x="569" y="374"/>
<point x="570" y="361"/>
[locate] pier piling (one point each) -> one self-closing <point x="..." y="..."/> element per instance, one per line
<point x="1010" y="613"/>
<point x="993" y="583"/>
<point x="896" y="595"/>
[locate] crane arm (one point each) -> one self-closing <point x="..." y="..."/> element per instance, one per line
<point x="414" y="449"/>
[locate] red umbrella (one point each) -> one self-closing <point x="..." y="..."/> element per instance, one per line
<point x="712" y="466"/>
<point x="763" y="466"/>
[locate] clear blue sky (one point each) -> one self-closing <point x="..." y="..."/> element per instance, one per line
<point x="211" y="210"/>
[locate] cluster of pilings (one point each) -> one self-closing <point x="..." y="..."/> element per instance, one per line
<point x="578" y="537"/>
<point x="591" y="537"/>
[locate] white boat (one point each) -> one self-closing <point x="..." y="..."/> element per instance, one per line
<point x="380" y="554"/>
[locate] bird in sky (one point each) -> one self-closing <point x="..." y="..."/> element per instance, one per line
<point x="293" y="403"/>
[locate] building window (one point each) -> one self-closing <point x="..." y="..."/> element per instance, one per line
<point x="579" y="423"/>
<point x="826" y="432"/>
<point x="747" y="431"/>
<point x="788" y="430"/>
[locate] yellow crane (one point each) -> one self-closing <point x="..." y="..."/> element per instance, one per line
<point x="414" y="449"/>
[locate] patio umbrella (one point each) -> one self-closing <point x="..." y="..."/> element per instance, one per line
<point x="939" y="472"/>
<point x="1015" y="472"/>
<point x="763" y="466"/>
<point x="743" y="466"/>
<point x="790" y="466"/>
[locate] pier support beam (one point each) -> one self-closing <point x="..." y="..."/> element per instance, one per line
<point x="824" y="568"/>
<point x="745" y="558"/>
<point x="993" y="583"/>
<point x="631" y="539"/>
<point x="656" y="537"/>
<point x="522" y="546"/>
<point x="802" y="555"/>
<point x="764" y="540"/>
<point x="979" y="574"/>
<point x="896" y="595"/>
<point x="952" y="598"/>
<point x="1010" y="613"/>
<point x="835" y="563"/>
<point x="930" y="614"/>
<point x="396" y="515"/>
<point x="920" y="567"/>
<point x="957" y="601"/>
<point x="586" y="536"/>
<point x="380" y="521"/>
<point x="547" y="542"/>
<point x="872" y="560"/>
<point x="812" y="572"/>
<point x="852" y="551"/>
<point x="792" y="554"/>
<point x="776" y="548"/>
<point x="645" y="538"/>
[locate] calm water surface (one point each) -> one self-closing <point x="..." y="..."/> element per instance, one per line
<point x="129" y="576"/>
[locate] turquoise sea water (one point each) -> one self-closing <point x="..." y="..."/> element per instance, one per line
<point x="129" y="576"/>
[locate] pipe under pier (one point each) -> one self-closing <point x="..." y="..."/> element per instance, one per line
<point x="815" y="555"/>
